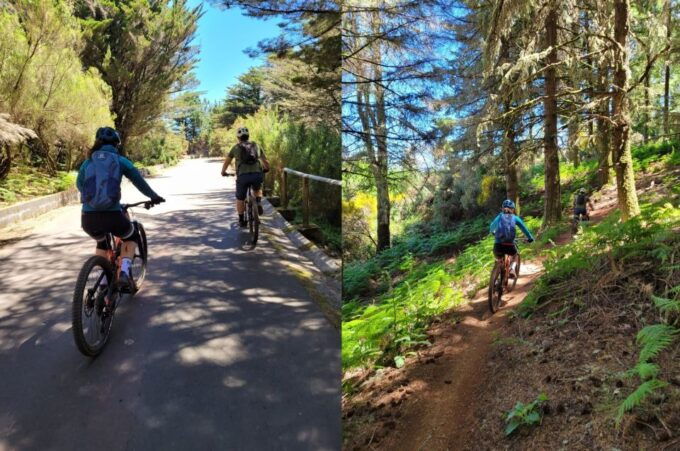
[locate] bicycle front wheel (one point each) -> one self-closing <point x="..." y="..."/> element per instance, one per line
<point x="91" y="323"/>
<point x="495" y="288"/>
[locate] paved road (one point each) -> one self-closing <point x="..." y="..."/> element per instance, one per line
<point x="222" y="349"/>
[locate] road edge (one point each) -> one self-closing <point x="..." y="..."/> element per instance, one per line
<point x="323" y="283"/>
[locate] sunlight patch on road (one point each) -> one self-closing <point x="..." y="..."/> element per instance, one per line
<point x="233" y="382"/>
<point x="188" y="316"/>
<point x="321" y="387"/>
<point x="279" y="300"/>
<point x="221" y="351"/>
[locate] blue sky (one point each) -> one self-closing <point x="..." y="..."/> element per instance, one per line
<point x="222" y="37"/>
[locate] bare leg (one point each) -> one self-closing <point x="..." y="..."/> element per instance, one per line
<point x="128" y="249"/>
<point x="240" y="206"/>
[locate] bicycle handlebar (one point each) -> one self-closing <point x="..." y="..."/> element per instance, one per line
<point x="228" y="175"/>
<point x="147" y="204"/>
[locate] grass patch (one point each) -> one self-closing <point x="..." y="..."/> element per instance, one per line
<point x="361" y="278"/>
<point x="25" y="182"/>
<point x="382" y="332"/>
<point x="608" y="241"/>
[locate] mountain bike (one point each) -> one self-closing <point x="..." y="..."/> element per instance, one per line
<point x="576" y="221"/>
<point x="500" y="280"/>
<point x="252" y="215"/>
<point x="97" y="293"/>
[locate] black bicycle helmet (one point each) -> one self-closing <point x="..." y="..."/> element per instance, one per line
<point x="107" y="135"/>
<point x="242" y="134"/>
<point x="508" y="204"/>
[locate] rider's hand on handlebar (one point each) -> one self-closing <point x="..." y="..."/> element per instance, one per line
<point x="227" y="174"/>
<point x="156" y="200"/>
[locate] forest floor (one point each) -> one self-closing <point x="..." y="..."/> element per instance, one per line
<point x="455" y="393"/>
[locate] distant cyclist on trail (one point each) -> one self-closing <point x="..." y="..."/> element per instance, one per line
<point x="581" y="203"/>
<point x="99" y="180"/>
<point x="251" y="164"/>
<point x="503" y="228"/>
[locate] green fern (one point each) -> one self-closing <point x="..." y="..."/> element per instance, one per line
<point x="638" y="396"/>
<point x="655" y="339"/>
<point x="645" y="370"/>
<point x="666" y="305"/>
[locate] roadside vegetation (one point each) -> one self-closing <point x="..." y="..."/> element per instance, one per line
<point x="55" y="54"/>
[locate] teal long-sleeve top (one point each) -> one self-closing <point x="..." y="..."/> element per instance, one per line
<point x="127" y="169"/>
<point x="518" y="221"/>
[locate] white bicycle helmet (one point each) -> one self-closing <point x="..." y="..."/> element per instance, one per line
<point x="242" y="132"/>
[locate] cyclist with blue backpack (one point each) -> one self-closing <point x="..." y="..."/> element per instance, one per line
<point x="251" y="164"/>
<point x="98" y="181"/>
<point x="503" y="227"/>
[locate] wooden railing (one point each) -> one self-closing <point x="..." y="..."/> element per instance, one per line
<point x="305" y="190"/>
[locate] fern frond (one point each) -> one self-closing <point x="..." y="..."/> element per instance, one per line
<point x="666" y="305"/>
<point x="646" y="370"/>
<point x="638" y="396"/>
<point x="655" y="339"/>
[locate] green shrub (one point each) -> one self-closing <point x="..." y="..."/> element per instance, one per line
<point x="525" y="414"/>
<point x="397" y="320"/>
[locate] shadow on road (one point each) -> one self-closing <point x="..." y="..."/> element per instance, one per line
<point x="221" y="349"/>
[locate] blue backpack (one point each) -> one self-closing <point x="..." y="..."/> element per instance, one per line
<point x="505" y="232"/>
<point x="101" y="187"/>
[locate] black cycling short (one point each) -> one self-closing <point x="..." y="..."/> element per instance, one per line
<point x="99" y="223"/>
<point x="243" y="181"/>
<point x="580" y="211"/>
<point x="501" y="249"/>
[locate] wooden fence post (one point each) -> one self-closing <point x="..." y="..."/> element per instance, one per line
<point x="284" y="190"/>
<point x="305" y="202"/>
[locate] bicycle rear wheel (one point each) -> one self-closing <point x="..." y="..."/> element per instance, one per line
<point x="253" y="220"/>
<point x="91" y="326"/>
<point x="511" y="286"/>
<point x="496" y="288"/>
<point x="140" y="258"/>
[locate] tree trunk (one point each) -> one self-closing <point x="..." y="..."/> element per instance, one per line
<point x="380" y="169"/>
<point x="511" y="154"/>
<point x="623" y="161"/>
<point x="667" y="76"/>
<point x="604" y="150"/>
<point x="372" y="114"/>
<point x="645" y="126"/>
<point x="572" y="136"/>
<point x="553" y="209"/>
<point x="5" y="160"/>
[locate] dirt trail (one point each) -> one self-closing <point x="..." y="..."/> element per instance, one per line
<point x="441" y="389"/>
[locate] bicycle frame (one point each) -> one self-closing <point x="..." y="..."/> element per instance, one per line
<point x="505" y="261"/>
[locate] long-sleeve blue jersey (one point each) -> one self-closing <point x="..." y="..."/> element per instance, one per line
<point x="518" y="222"/>
<point x="127" y="169"/>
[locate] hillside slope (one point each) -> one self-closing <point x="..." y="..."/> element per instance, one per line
<point x="456" y="393"/>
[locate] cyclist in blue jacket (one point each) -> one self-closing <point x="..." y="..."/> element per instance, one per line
<point x="99" y="179"/>
<point x="503" y="228"/>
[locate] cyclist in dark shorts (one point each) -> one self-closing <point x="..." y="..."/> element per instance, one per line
<point x="503" y="228"/>
<point x="251" y="164"/>
<point x="99" y="180"/>
<point x="581" y="203"/>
